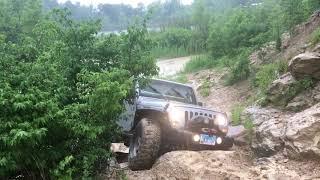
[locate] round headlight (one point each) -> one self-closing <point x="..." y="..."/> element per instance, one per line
<point x="221" y="120"/>
<point x="176" y="117"/>
<point x="219" y="140"/>
<point x="196" y="138"/>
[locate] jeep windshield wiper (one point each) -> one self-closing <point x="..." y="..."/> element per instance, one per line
<point x="179" y="94"/>
<point x="158" y="92"/>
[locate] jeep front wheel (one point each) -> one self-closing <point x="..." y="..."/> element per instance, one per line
<point x="144" y="145"/>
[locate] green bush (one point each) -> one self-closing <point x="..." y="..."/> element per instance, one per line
<point x="299" y="86"/>
<point x="239" y="68"/>
<point x="205" y="88"/>
<point x="315" y="37"/>
<point x="61" y="91"/>
<point x="268" y="73"/>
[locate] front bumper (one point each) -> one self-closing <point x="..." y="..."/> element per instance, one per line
<point x="186" y="138"/>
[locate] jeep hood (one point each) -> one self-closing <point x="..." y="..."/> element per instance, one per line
<point x="161" y="104"/>
<point x="152" y="103"/>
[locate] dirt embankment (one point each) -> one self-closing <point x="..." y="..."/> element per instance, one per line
<point x="222" y="98"/>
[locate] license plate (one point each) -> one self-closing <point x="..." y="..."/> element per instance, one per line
<point x="207" y="139"/>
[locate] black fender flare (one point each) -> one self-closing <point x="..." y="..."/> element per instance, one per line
<point x="155" y="115"/>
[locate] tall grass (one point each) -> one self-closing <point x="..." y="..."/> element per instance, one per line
<point x="236" y="114"/>
<point x="167" y="52"/>
<point x="180" y="77"/>
<point x="238" y="118"/>
<point x="200" y="62"/>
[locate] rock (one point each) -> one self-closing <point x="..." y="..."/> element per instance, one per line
<point x="303" y="133"/>
<point x="124" y="165"/>
<point x="239" y="134"/>
<point x="264" y="55"/>
<point x="305" y="99"/>
<point x="297" y="106"/>
<point x="316" y="49"/>
<point x="120" y="152"/>
<point x="298" y="134"/>
<point x="285" y="40"/>
<point x="119" y="148"/>
<point x="270" y="168"/>
<point x="277" y="92"/>
<point x="196" y="165"/>
<point x="269" y="130"/>
<point x="305" y="65"/>
<point x="303" y="48"/>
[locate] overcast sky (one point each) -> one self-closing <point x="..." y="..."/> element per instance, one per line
<point x="131" y="2"/>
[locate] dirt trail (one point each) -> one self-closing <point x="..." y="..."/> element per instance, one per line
<point x="222" y="98"/>
<point x="171" y="67"/>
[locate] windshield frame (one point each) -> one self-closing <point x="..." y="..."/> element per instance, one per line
<point x="160" y="95"/>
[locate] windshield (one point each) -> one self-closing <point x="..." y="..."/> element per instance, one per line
<point x="169" y="91"/>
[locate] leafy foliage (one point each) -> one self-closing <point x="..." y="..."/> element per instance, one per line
<point x="239" y="68"/>
<point x="205" y="88"/>
<point x="61" y="90"/>
<point x="268" y="73"/>
<point x="316" y="37"/>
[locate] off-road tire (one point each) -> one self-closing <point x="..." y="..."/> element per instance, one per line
<point x="149" y="133"/>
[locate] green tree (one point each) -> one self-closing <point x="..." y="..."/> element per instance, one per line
<point x="293" y="13"/>
<point x="61" y="90"/>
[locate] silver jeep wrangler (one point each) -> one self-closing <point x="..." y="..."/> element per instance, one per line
<point x="168" y="113"/>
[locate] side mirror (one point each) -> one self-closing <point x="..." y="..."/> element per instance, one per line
<point x="200" y="103"/>
<point x="137" y="89"/>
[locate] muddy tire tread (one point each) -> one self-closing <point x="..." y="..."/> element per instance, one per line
<point x="150" y="145"/>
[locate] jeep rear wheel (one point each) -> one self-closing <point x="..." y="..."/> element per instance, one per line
<point x="144" y="145"/>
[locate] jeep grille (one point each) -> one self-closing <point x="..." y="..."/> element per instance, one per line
<point x="190" y="114"/>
